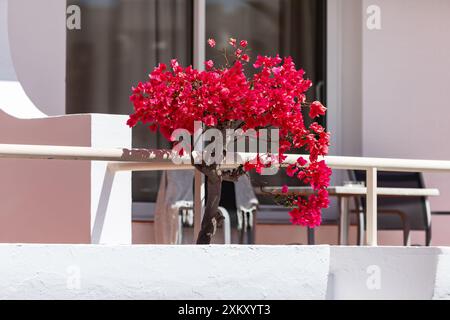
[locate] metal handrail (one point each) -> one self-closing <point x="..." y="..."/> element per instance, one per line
<point x="147" y="159"/>
<point x="123" y="159"/>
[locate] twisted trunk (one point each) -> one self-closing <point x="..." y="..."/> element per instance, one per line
<point x="212" y="216"/>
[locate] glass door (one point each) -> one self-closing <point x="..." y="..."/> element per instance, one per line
<point x="119" y="43"/>
<point x="295" y="28"/>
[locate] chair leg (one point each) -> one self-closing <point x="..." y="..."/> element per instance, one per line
<point x="406" y="238"/>
<point x="311" y="236"/>
<point x="405" y="221"/>
<point x="226" y="225"/>
<point x="428" y="236"/>
<point x="180" y="227"/>
<point x="251" y="226"/>
<point x="361" y="229"/>
<point x="406" y="229"/>
<point x="246" y="225"/>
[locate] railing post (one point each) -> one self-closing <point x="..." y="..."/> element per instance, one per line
<point x="199" y="34"/>
<point x="371" y="214"/>
<point x="344" y="221"/>
<point x="199" y="60"/>
<point x="199" y="199"/>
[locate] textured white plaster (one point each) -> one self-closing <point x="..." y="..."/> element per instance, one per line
<point x="221" y="272"/>
<point x="404" y="273"/>
<point x="442" y="282"/>
<point x="163" y="272"/>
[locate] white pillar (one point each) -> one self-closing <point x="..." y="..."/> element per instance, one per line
<point x="199" y="60"/>
<point x="111" y="199"/>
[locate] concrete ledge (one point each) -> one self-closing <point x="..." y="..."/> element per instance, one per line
<point x="387" y="273"/>
<point x="162" y="272"/>
<point x="33" y="271"/>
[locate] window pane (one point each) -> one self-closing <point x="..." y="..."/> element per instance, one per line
<point x="294" y="28"/>
<point x="119" y="43"/>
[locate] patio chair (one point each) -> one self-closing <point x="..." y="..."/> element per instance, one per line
<point x="397" y="213"/>
<point x="174" y="208"/>
<point x="240" y="200"/>
<point x="145" y="211"/>
<point x="186" y="219"/>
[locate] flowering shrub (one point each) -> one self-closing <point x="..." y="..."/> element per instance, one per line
<point x="223" y="97"/>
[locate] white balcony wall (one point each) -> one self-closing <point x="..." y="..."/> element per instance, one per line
<point x="222" y="272"/>
<point x="37" y="45"/>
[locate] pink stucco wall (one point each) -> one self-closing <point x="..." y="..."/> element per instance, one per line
<point x="287" y="234"/>
<point x="57" y="209"/>
<point x="406" y="76"/>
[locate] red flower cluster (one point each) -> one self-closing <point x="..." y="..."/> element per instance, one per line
<point x="175" y="97"/>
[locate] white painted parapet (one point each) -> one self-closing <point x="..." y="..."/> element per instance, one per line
<point x="163" y="272"/>
<point x="222" y="272"/>
<point x="387" y="272"/>
<point x="442" y="282"/>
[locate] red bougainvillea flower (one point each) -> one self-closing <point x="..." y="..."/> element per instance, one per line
<point x="316" y="109"/>
<point x="211" y="43"/>
<point x="285" y="189"/>
<point x="275" y="96"/>
<point x="209" y="64"/>
<point x="301" y="161"/>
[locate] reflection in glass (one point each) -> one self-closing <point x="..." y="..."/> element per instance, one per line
<point x="119" y="43"/>
<point x="289" y="27"/>
<point x="294" y="28"/>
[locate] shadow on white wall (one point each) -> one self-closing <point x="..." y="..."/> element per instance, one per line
<point x="32" y="57"/>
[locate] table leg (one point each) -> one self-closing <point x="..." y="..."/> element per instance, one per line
<point x="371" y="214"/>
<point x="344" y="223"/>
<point x="199" y="201"/>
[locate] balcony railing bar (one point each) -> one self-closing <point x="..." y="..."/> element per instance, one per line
<point x="122" y="159"/>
